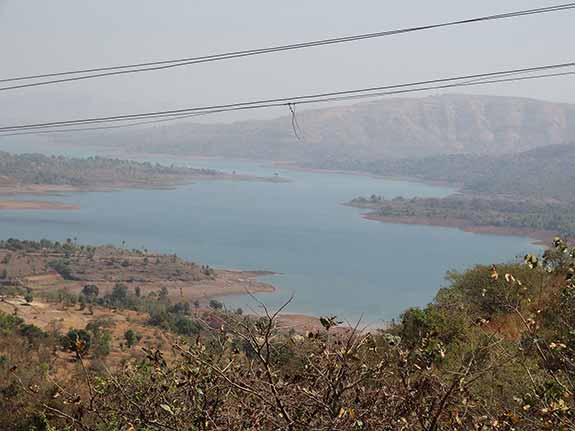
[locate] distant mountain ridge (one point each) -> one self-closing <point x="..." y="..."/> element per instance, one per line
<point x="390" y="128"/>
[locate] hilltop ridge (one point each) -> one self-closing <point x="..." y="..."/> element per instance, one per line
<point x="387" y="128"/>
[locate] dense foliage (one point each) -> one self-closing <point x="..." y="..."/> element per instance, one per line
<point x="494" y="351"/>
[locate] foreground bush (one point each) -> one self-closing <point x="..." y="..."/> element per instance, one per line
<point x="494" y="351"/>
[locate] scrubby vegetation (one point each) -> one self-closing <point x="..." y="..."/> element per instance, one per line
<point x="91" y="264"/>
<point x="531" y="190"/>
<point x="91" y="171"/>
<point x="494" y="351"/>
<point x="473" y="211"/>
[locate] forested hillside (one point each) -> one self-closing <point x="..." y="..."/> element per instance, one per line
<point x="544" y="173"/>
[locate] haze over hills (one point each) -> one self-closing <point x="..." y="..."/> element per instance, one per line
<point x="390" y="128"/>
<point x="543" y="173"/>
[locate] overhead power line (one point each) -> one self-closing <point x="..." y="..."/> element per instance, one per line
<point x="162" y="119"/>
<point x="99" y="72"/>
<point x="554" y="70"/>
<point x="175" y="117"/>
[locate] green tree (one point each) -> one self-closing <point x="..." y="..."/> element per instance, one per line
<point x="216" y="305"/>
<point x="101" y="337"/>
<point x="185" y="326"/>
<point x="119" y="295"/>
<point x="132" y="338"/>
<point x="102" y="343"/>
<point x="90" y="292"/>
<point x="62" y="267"/>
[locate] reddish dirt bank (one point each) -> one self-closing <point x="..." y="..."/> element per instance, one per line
<point x="540" y="236"/>
<point x="35" y="205"/>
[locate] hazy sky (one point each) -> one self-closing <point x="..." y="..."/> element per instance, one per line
<point x="39" y="36"/>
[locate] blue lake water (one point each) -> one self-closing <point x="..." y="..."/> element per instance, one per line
<point x="331" y="259"/>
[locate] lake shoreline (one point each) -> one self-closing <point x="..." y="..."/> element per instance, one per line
<point x="268" y="230"/>
<point x="293" y="166"/>
<point x="539" y="237"/>
<point x="58" y="190"/>
<point x="19" y="205"/>
<point x="234" y="282"/>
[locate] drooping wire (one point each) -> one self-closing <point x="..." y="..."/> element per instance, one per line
<point x="294" y="123"/>
<point x="373" y="92"/>
<point x="121" y="126"/>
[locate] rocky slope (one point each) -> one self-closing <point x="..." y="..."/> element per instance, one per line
<point x="387" y="128"/>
